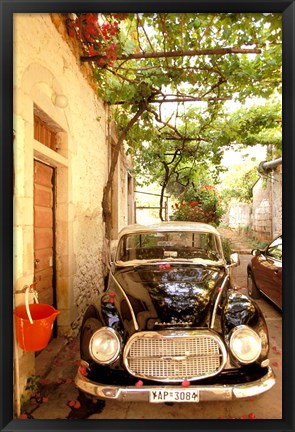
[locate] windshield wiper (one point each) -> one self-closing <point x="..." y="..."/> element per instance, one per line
<point x="168" y="259"/>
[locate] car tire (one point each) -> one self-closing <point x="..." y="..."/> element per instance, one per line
<point x="253" y="291"/>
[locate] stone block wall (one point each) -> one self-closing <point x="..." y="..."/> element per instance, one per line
<point x="267" y="206"/>
<point x="264" y="215"/>
<point x="277" y="207"/>
<point x="262" y="210"/>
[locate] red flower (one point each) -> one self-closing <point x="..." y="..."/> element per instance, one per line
<point x="185" y="383"/>
<point x="91" y="18"/>
<point x="275" y="350"/>
<point x="252" y="416"/>
<point x="112" y="296"/>
<point x="119" y="16"/>
<point x="74" y="404"/>
<point x="91" y="51"/>
<point x="83" y="371"/>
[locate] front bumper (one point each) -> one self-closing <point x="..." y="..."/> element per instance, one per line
<point x="206" y="393"/>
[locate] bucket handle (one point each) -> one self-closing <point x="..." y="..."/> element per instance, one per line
<point x="30" y="289"/>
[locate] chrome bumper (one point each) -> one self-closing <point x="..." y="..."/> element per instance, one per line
<point x="206" y="393"/>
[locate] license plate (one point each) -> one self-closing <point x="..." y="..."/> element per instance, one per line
<point x="174" y="395"/>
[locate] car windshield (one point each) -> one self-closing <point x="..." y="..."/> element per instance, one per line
<point x="169" y="246"/>
<point x="275" y="249"/>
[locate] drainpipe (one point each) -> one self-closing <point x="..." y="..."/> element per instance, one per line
<point x="264" y="168"/>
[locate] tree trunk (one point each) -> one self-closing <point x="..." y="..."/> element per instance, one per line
<point x="106" y="199"/>
<point x="164" y="185"/>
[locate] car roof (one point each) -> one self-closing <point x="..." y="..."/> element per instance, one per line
<point x="169" y="226"/>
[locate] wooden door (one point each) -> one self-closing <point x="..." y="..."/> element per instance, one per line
<point x="44" y="232"/>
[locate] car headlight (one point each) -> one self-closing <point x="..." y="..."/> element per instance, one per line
<point x="104" y="345"/>
<point x="245" y="344"/>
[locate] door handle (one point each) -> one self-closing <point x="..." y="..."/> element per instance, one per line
<point x="36" y="262"/>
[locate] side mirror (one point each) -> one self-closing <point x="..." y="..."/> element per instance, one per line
<point x="256" y="252"/>
<point x="234" y="260"/>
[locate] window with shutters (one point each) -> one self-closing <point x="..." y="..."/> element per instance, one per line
<point x="47" y="131"/>
<point x="44" y="134"/>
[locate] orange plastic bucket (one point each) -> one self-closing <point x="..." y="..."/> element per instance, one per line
<point x="35" y="336"/>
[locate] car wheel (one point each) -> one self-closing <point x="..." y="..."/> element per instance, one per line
<point x="251" y="286"/>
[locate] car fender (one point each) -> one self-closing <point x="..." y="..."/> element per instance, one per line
<point x="240" y="310"/>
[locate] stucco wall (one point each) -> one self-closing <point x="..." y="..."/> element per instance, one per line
<point x="45" y="65"/>
<point x="239" y="215"/>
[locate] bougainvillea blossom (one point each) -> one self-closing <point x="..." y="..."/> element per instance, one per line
<point x="97" y="38"/>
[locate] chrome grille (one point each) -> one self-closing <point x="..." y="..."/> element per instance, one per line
<point x="172" y="356"/>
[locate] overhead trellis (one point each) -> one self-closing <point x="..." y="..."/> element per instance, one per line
<point x="197" y="62"/>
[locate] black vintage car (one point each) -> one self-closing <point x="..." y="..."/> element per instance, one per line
<point x="169" y="327"/>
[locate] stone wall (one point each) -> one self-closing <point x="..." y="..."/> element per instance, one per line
<point x="46" y="65"/>
<point x="267" y="206"/>
<point x="262" y="211"/>
<point x="277" y="207"/>
<point x="264" y="215"/>
<point x="239" y="215"/>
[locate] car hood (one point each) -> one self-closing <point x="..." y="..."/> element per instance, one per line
<point x="167" y="294"/>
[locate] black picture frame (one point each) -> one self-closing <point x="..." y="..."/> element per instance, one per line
<point x="7" y="9"/>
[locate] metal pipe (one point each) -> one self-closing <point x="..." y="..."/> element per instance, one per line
<point x="266" y="166"/>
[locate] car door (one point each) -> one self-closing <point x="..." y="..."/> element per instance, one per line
<point x="267" y="268"/>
